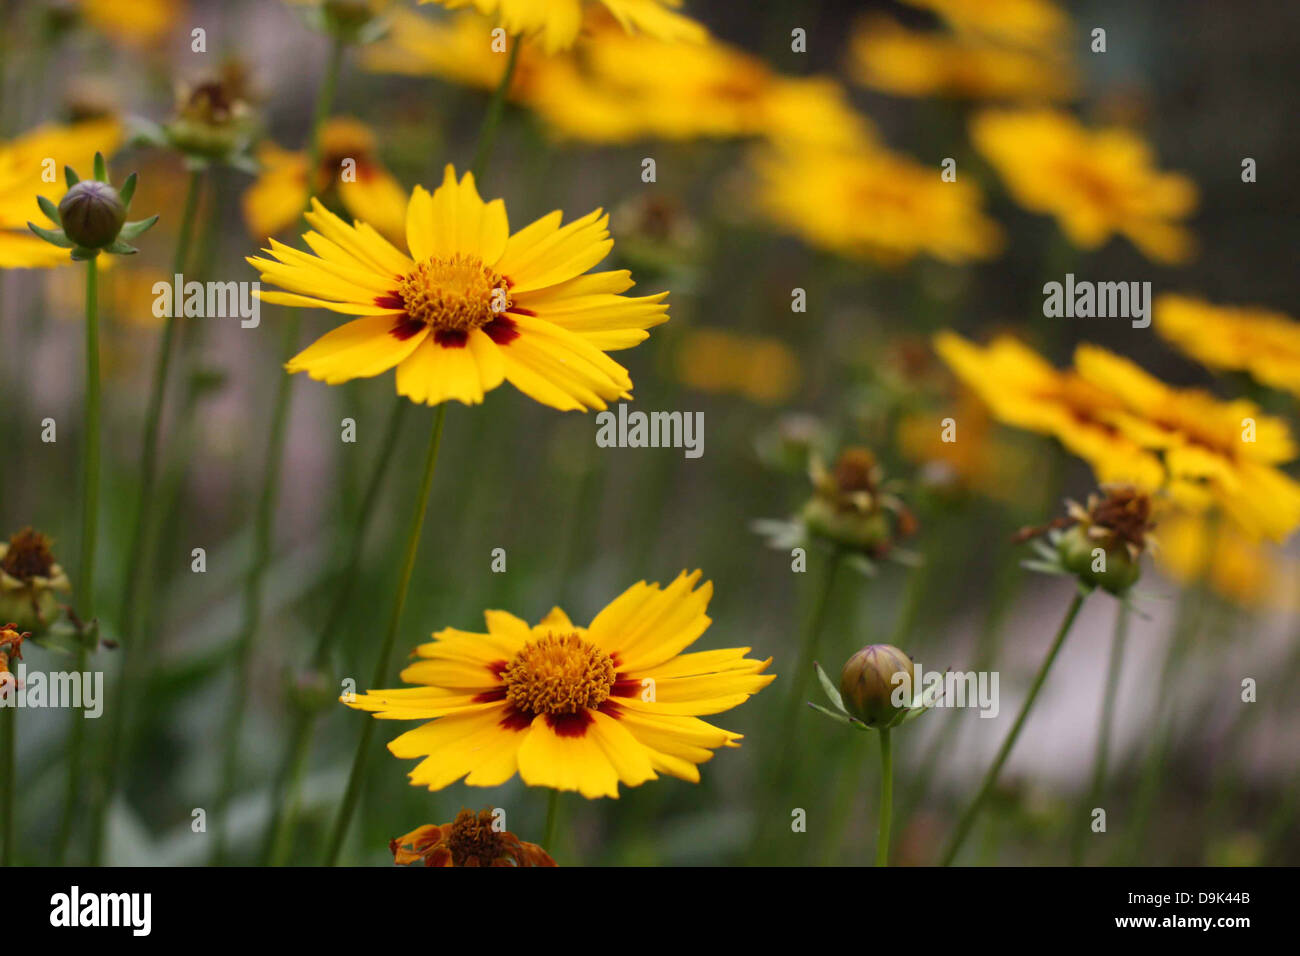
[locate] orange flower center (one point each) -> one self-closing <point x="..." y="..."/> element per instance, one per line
<point x="559" y="674"/>
<point x="28" y="556"/>
<point x="454" y="294"/>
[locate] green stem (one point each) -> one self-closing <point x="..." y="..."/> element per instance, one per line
<point x="808" y="645"/>
<point x="8" y="792"/>
<point x="1102" y="757"/>
<point x="886" y="796"/>
<point x="552" y="818"/>
<point x="137" y="570"/>
<point x="353" y="791"/>
<point x="991" y="778"/>
<point x="265" y="515"/>
<point x="487" y="132"/>
<point x="284" y="796"/>
<point x="86" y="568"/>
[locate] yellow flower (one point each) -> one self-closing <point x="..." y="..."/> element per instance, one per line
<point x="1022" y="22"/>
<point x="1261" y="342"/>
<point x="471" y="306"/>
<point x="558" y="22"/>
<point x="620" y="88"/>
<point x="1096" y="183"/>
<point x="873" y="204"/>
<point x="472" y="839"/>
<point x="978" y="460"/>
<point x="888" y="57"/>
<point x="1228" y="450"/>
<point x="140" y="23"/>
<point x="276" y="199"/>
<point x="1024" y="390"/>
<point x="26" y="171"/>
<point x="761" y="369"/>
<point x="1195" y="548"/>
<point x="572" y="708"/>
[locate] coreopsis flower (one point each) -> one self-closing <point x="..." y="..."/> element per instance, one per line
<point x="873" y="204"/>
<point x="350" y="172"/>
<point x="1195" y="548"/>
<point x="138" y="24"/>
<point x="888" y="57"/>
<point x="569" y="707"/>
<point x="1096" y="183"/>
<point x="472" y="839"/>
<point x="1100" y="543"/>
<point x="1228" y="452"/>
<point x="1261" y="342"/>
<point x="1033" y="23"/>
<point x="91" y="216"/>
<point x="11" y="643"/>
<point x="25" y="172"/>
<point x="213" y="121"/>
<point x="759" y="368"/>
<point x="468" y="305"/>
<point x="31" y="581"/>
<point x="1024" y="390"/>
<point x="557" y="23"/>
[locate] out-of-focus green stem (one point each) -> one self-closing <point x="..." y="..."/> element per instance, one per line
<point x="8" y="792"/>
<point x="886" y="796"/>
<point x="991" y="777"/>
<point x="353" y="792"/>
<point x="137" y="572"/>
<point x="85" y="583"/>
<point x="552" y="818"/>
<point x="265" y="515"/>
<point x="487" y="133"/>
<point x="1079" y="829"/>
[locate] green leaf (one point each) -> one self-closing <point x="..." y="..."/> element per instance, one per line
<point x="53" y="236"/>
<point x="128" y="189"/>
<point x="101" y="172"/>
<point x="51" y="210"/>
<point x="70" y="175"/>
<point x="137" y="228"/>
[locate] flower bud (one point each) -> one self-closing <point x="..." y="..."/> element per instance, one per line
<point x="1112" y="568"/>
<point x="29" y="581"/>
<point x="92" y="214"/>
<point x="868" y="684"/>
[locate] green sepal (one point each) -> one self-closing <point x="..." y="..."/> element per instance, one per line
<point x="70" y="175"/>
<point x="51" y="210"/>
<point x="128" y="189"/>
<point x="101" y="169"/>
<point x="838" y="718"/>
<point x="120" y="248"/>
<point x="53" y="236"/>
<point x="831" y="690"/>
<point x="132" y="229"/>
<point x="81" y="253"/>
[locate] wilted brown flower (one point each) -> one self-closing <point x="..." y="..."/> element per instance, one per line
<point x="469" y="840"/>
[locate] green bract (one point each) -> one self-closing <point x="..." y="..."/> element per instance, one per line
<point x="91" y="218"/>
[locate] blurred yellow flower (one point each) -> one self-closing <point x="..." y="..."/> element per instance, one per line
<point x="471" y="306"/>
<point x="762" y="369"/>
<point x="1228" y="450"/>
<point x="558" y="22"/>
<point x="893" y="59"/>
<point x="620" y="88"/>
<point x="1261" y="342"/>
<point x="568" y="707"/>
<point x="139" y="23"/>
<point x="1034" y="23"/>
<point x="32" y="165"/>
<point x="1024" y="390"/>
<point x="1096" y="183"/>
<point x="1195" y="548"/>
<point x="873" y="204"/>
<point x="349" y="170"/>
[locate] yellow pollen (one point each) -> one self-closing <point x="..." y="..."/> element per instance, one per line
<point x="559" y="674"/>
<point x="454" y="293"/>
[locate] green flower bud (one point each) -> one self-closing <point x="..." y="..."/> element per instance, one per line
<point x="30" y="582"/>
<point x="868" y="683"/>
<point x="1112" y="568"/>
<point x="92" y="214"/>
